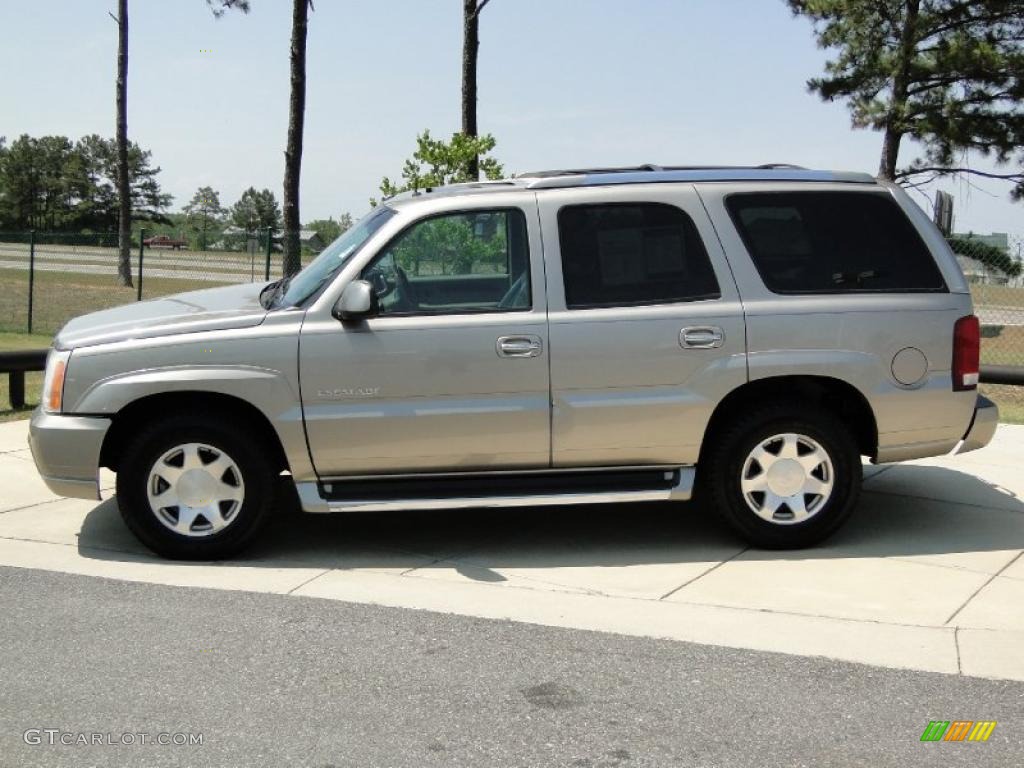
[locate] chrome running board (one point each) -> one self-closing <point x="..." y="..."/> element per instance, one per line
<point x="676" y="485"/>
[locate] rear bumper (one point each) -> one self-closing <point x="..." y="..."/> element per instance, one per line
<point x="983" y="426"/>
<point x="66" y="450"/>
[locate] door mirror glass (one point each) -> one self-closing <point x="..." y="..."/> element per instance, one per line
<point x="357" y="301"/>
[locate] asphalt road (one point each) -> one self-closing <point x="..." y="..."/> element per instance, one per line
<point x="278" y="680"/>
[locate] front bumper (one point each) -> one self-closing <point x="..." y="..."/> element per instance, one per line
<point x="983" y="426"/>
<point x="66" y="450"/>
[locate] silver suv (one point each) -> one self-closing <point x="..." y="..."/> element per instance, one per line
<point x="744" y="335"/>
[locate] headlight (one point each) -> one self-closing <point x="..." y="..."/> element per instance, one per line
<point x="53" y="381"/>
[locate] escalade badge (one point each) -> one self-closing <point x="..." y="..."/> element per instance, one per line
<point x="349" y="392"/>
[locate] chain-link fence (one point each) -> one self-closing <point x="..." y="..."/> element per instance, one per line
<point x="48" y="278"/>
<point x="994" y="269"/>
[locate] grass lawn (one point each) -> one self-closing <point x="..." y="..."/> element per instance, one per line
<point x="60" y="296"/>
<point x="997" y="295"/>
<point x="33" y="380"/>
<point x="1005" y="349"/>
<point x="1009" y="399"/>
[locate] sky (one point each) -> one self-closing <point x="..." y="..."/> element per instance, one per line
<point x="562" y="83"/>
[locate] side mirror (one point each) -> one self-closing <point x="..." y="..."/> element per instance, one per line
<point x="357" y="301"/>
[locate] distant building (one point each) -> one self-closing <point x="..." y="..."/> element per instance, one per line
<point x="308" y="238"/>
<point x="1000" y="240"/>
<point x="311" y="239"/>
<point x="977" y="272"/>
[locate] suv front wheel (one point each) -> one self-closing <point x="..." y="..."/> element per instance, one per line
<point x="195" y="487"/>
<point x="785" y="477"/>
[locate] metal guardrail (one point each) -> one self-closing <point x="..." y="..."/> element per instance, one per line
<point x="15" y="364"/>
<point x="1003" y="374"/>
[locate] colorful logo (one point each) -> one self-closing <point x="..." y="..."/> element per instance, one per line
<point x="958" y="730"/>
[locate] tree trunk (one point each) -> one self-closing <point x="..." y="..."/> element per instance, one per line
<point x="124" y="223"/>
<point x="470" y="49"/>
<point x="890" y="153"/>
<point x="895" y="125"/>
<point x="293" y="152"/>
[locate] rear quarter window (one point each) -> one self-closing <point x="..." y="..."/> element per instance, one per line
<point x="833" y="242"/>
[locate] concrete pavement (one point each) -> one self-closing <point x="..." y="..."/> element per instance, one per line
<point x="928" y="575"/>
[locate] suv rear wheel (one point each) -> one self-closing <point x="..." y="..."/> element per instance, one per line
<point x="785" y="477"/>
<point x="194" y="487"/>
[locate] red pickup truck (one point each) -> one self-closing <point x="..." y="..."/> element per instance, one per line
<point x="164" y="241"/>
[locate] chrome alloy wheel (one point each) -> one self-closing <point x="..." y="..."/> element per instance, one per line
<point x="195" y="489"/>
<point x="787" y="479"/>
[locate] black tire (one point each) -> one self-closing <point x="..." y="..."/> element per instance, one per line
<point x="159" y="437"/>
<point x="724" y="465"/>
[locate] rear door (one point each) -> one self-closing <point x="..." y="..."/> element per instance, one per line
<point x="645" y="322"/>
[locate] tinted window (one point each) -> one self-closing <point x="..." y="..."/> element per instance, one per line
<point x="626" y="254"/>
<point x="833" y="242"/>
<point x="462" y="262"/>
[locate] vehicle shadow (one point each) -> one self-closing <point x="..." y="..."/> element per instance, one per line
<point x="976" y="516"/>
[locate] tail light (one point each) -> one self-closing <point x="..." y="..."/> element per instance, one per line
<point x="966" y="353"/>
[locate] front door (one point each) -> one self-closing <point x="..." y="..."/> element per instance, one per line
<point x="452" y="374"/>
<point x="646" y="326"/>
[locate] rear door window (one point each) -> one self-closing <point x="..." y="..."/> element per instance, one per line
<point x="833" y="242"/>
<point x="631" y="254"/>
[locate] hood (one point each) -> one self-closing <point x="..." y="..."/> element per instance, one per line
<point x="213" y="309"/>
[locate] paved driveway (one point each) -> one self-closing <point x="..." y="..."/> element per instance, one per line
<point x="928" y="575"/>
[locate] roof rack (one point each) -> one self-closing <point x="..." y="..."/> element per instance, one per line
<point x="652" y="168"/>
<point x="650" y="173"/>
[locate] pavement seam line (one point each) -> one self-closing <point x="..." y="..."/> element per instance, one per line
<point x="77" y="545"/>
<point x="956" y="642"/>
<point x="879" y="473"/>
<point x="990" y="579"/>
<point x="29" y="506"/>
<point x="943" y="501"/>
<point x="957" y="568"/>
<point x="703" y="574"/>
<point x="307" y="581"/>
<point x="418" y="567"/>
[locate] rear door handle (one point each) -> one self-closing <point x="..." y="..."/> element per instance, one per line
<point x="701" y="337"/>
<point x="519" y="346"/>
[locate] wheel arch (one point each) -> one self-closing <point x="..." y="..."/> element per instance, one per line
<point x="840" y="397"/>
<point x="126" y="421"/>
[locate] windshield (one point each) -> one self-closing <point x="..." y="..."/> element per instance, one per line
<point x="330" y="261"/>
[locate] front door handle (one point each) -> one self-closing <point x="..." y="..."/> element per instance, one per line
<point x="519" y="346"/>
<point x="701" y="337"/>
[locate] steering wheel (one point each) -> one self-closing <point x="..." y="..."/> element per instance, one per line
<point x="406" y="298"/>
<point x="381" y="285"/>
